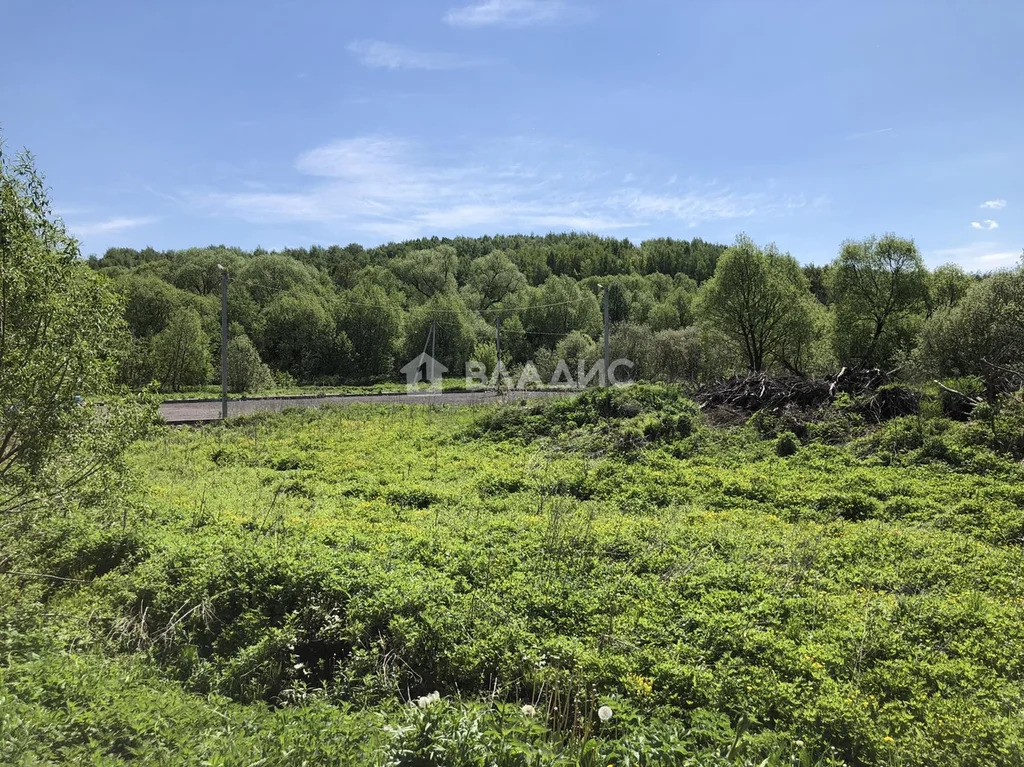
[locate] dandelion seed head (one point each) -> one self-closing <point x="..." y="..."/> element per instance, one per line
<point x="604" y="713"/>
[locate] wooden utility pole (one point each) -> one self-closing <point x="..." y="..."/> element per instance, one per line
<point x="497" y="346"/>
<point x="607" y="340"/>
<point x="223" y="342"/>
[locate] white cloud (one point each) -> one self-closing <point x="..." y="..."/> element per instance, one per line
<point x="696" y="207"/>
<point x="381" y="55"/>
<point x="977" y="256"/>
<point x="110" y="226"/>
<point x="993" y="204"/>
<point x="512" y="13"/>
<point x="393" y="189"/>
<point x="987" y="224"/>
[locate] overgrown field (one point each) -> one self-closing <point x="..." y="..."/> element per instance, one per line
<point x="294" y="588"/>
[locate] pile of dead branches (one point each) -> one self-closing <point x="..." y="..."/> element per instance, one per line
<point x="1001" y="379"/>
<point x="871" y="388"/>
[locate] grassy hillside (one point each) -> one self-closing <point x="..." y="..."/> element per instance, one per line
<point x="294" y="587"/>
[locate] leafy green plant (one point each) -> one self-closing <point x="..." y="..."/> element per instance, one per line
<point x="786" y="445"/>
<point x="854" y="603"/>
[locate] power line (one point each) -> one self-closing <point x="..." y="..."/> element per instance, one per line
<point x="526" y="307"/>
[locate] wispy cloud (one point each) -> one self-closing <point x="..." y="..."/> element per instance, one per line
<point x="392" y="188"/>
<point x="510" y="13"/>
<point x="987" y="224"/>
<point x="381" y="55"/>
<point x="993" y="204"/>
<point x="865" y="134"/>
<point x="698" y="206"/>
<point x="109" y="226"/>
<point x="977" y="256"/>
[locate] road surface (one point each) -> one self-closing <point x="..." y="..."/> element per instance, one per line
<point x="200" y="411"/>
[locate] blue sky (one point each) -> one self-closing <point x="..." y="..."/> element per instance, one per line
<point x="286" y="124"/>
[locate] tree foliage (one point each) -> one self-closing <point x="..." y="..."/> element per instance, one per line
<point x="298" y="335"/>
<point x="948" y="285"/>
<point x="428" y="272"/>
<point x="181" y="352"/>
<point x="879" y="287"/>
<point x="246" y="371"/>
<point x="557" y="308"/>
<point x="493" y="279"/>
<point x="372" y="321"/>
<point x="62" y="335"/>
<point x="760" y="298"/>
<point x="355" y="315"/>
<point x="981" y="334"/>
<point x="444" y="328"/>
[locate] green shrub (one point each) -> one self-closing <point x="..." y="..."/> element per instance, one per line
<point x="852" y="507"/>
<point x="619" y="417"/>
<point x="787" y="444"/>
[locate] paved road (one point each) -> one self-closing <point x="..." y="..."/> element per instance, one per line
<point x="200" y="411"/>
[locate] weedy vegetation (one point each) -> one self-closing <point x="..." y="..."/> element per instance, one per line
<point x="602" y="579"/>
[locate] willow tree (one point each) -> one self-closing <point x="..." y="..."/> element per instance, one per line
<point x="879" y="289"/>
<point x="62" y="335"/>
<point x="982" y="335"/>
<point x="760" y="299"/>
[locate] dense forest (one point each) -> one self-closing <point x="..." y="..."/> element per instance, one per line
<point x="687" y="311"/>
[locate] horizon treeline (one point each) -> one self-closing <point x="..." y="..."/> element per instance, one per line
<point x="681" y="310"/>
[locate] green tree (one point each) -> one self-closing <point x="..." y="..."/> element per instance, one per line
<point x="62" y="337"/>
<point x="574" y="349"/>
<point x="242" y="308"/>
<point x="181" y="352"/>
<point x="878" y="289"/>
<point x="667" y="256"/>
<point x="382" y="278"/>
<point x="136" y="369"/>
<point x="636" y="344"/>
<point x="150" y="302"/>
<point x="759" y="298"/>
<point x="270" y="276"/>
<point x="694" y="354"/>
<point x="532" y="261"/>
<point x="299" y="335"/>
<point x="515" y="343"/>
<point x="818" y="278"/>
<point x="618" y="301"/>
<point x="343" y="264"/>
<point x="947" y="287"/>
<point x="428" y="272"/>
<point x="559" y="307"/>
<point x="493" y="279"/>
<point x="372" y="320"/>
<point x="246" y="371"/>
<point x="663" y="316"/>
<point x="454" y="338"/>
<point x="807" y="343"/>
<point x="981" y="335"/>
<point x="198" y="270"/>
